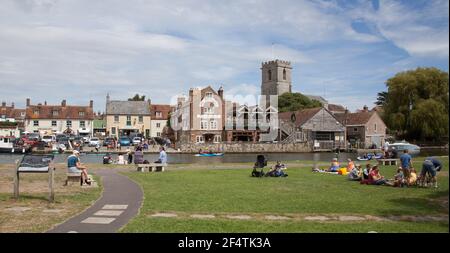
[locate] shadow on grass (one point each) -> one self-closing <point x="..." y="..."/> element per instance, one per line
<point x="430" y="205"/>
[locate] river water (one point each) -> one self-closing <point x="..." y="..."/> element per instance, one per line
<point x="227" y="158"/>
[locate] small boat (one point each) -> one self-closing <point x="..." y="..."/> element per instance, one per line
<point x="399" y="147"/>
<point x="369" y="157"/>
<point x="7" y="145"/>
<point x="210" y="154"/>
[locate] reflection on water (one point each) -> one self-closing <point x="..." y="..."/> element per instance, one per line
<point x="227" y="158"/>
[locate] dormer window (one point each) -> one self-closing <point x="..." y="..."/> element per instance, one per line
<point x="158" y="114"/>
<point x="81" y="114"/>
<point x="55" y="113"/>
<point x="36" y="112"/>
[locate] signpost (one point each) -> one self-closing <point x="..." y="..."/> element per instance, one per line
<point x="44" y="165"/>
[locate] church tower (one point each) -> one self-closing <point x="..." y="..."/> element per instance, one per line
<point x="276" y="77"/>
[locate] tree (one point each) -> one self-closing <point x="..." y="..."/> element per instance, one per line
<point x="289" y="102"/>
<point x="137" y="98"/>
<point x="382" y="98"/>
<point x="416" y="104"/>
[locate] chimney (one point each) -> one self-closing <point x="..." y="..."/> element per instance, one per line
<point x="365" y="108"/>
<point x="63" y="103"/>
<point x="45" y="102"/>
<point x="12" y="105"/>
<point x="221" y="92"/>
<point x="91" y="103"/>
<point x="3" y="104"/>
<point x="28" y="102"/>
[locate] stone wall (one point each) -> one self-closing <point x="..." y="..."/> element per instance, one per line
<point x="245" y="147"/>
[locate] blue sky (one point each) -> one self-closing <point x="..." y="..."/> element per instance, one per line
<point x="343" y="50"/>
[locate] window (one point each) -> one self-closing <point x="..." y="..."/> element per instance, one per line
<point x="141" y="119"/>
<point x="284" y="74"/>
<point x="217" y="138"/>
<point x="355" y="129"/>
<point x="209" y="94"/>
<point x="158" y="134"/>
<point x="158" y="114"/>
<point x="199" y="139"/>
<point x="54" y="123"/>
<point x="113" y="130"/>
<point x="36" y="123"/>
<point x="375" y="127"/>
<point x="36" y="112"/>
<point x="55" y="113"/>
<point x="213" y="124"/>
<point x="128" y="120"/>
<point x="81" y="114"/>
<point x="82" y="123"/>
<point x="158" y="125"/>
<point x="69" y="123"/>
<point x="204" y="125"/>
<point x="116" y="118"/>
<point x="269" y="74"/>
<point x="180" y="119"/>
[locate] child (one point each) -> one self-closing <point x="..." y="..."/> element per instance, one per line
<point x="334" y="165"/>
<point x="355" y="173"/>
<point x="399" y="178"/>
<point x="412" y="179"/>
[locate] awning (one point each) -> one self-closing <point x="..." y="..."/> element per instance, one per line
<point x="84" y="130"/>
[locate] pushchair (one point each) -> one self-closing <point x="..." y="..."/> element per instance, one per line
<point x="258" y="168"/>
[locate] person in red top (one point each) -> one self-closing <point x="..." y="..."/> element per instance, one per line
<point x="376" y="178"/>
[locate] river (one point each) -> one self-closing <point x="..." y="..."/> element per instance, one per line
<point x="227" y="158"/>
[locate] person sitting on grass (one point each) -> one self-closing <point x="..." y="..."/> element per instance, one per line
<point x="350" y="165"/>
<point x="121" y="159"/>
<point x="375" y="178"/>
<point x="399" y="178"/>
<point x="355" y="174"/>
<point x="412" y="179"/>
<point x="279" y="169"/>
<point x="74" y="166"/>
<point x="366" y="171"/>
<point x="334" y="165"/>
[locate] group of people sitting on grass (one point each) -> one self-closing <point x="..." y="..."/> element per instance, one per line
<point x="406" y="175"/>
<point x="278" y="170"/>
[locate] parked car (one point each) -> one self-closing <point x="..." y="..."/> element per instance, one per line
<point x="48" y="138"/>
<point x="108" y="141"/>
<point x="137" y="140"/>
<point x="124" y="141"/>
<point x="33" y="136"/>
<point x="94" y="141"/>
<point x="59" y="136"/>
<point x="64" y="141"/>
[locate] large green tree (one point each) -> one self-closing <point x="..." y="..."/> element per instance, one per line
<point x="137" y="98"/>
<point x="289" y="102"/>
<point x="416" y="104"/>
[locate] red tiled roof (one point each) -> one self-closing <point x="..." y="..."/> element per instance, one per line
<point x="333" y="107"/>
<point x="358" y="118"/>
<point x="301" y="117"/>
<point x="164" y="109"/>
<point x="64" y="112"/>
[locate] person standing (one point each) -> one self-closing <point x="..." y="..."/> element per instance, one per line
<point x="406" y="162"/>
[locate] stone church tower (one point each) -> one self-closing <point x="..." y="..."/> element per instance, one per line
<point x="276" y="77"/>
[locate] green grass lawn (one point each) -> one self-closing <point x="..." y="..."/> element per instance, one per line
<point x="228" y="191"/>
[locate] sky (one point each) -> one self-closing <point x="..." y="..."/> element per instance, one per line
<point x="345" y="51"/>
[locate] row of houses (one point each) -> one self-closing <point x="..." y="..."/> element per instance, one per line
<point x="120" y="118"/>
<point x="206" y="117"/>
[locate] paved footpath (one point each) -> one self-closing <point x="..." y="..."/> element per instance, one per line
<point x="120" y="202"/>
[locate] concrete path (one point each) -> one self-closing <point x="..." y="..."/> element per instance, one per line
<point x="120" y="202"/>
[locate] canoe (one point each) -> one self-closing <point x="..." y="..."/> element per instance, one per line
<point x="210" y="155"/>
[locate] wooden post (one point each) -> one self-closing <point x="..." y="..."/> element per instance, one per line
<point x="16" y="180"/>
<point x="51" y="180"/>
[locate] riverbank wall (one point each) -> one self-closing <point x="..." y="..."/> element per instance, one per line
<point x="245" y="148"/>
